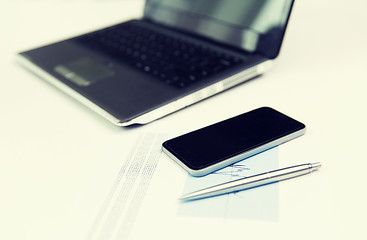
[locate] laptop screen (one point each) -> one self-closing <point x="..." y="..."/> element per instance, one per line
<point x="251" y="25"/>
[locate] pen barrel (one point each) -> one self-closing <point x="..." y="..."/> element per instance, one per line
<point x="267" y="178"/>
<point x="255" y="181"/>
<point x="292" y="172"/>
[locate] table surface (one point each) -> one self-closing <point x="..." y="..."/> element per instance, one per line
<point x="55" y="153"/>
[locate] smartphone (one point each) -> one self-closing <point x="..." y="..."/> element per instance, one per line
<point x="216" y="146"/>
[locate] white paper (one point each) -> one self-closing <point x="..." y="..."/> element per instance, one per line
<point x="146" y="190"/>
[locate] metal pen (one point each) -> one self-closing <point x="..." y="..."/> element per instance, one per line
<point x="253" y="181"/>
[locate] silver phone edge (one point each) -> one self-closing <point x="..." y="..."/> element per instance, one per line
<point x="237" y="158"/>
<point x="156" y="113"/>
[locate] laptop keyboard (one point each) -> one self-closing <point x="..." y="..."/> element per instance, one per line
<point x="174" y="61"/>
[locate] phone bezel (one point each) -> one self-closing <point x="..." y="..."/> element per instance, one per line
<point x="237" y="158"/>
<point x="297" y="130"/>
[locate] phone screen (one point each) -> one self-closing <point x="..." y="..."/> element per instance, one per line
<point x="224" y="140"/>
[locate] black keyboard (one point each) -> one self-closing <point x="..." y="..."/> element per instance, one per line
<point x="172" y="60"/>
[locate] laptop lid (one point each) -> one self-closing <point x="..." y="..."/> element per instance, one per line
<point x="256" y="26"/>
<point x="125" y="96"/>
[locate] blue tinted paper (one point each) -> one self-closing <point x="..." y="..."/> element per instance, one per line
<point x="259" y="203"/>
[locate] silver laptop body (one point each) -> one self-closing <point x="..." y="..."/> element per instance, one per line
<point x="179" y="53"/>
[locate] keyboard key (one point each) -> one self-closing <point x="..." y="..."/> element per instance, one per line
<point x="176" y="62"/>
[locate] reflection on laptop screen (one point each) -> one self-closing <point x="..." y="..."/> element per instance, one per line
<point x="247" y="24"/>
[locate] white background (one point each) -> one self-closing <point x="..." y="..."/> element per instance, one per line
<point x="55" y="153"/>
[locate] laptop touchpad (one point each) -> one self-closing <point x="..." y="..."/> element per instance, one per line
<point x="83" y="71"/>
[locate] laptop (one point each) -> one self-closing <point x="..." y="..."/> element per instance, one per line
<point x="180" y="52"/>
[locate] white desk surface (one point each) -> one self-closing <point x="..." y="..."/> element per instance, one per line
<point x="55" y="153"/>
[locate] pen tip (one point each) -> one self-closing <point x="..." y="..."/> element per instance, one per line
<point x="316" y="165"/>
<point x="184" y="198"/>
